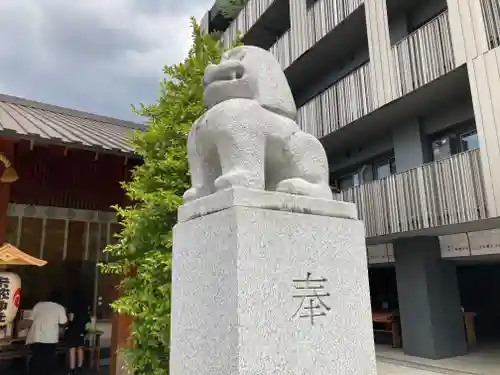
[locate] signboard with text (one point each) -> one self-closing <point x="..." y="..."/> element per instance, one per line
<point x="379" y="254"/>
<point x="455" y="245"/>
<point x="485" y="242"/>
<point x="10" y="297"/>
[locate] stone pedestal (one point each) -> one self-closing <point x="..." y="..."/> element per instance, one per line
<point x="270" y="283"/>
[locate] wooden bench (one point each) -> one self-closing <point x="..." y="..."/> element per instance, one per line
<point x="470" y="327"/>
<point x="389" y="323"/>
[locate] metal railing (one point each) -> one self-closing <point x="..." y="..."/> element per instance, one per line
<point x="281" y="50"/>
<point x="448" y="191"/>
<point x="344" y="102"/>
<point x="491" y="14"/>
<point x="310" y="25"/>
<point x="424" y="55"/>
<point x="246" y="18"/>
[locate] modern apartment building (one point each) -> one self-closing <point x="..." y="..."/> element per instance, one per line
<point x="405" y="97"/>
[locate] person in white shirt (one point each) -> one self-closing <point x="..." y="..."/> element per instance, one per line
<point x="43" y="335"/>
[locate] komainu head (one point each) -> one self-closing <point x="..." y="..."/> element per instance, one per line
<point x="249" y="72"/>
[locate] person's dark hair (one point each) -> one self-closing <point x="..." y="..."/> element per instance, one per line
<point x="56" y="297"/>
<point x="79" y="304"/>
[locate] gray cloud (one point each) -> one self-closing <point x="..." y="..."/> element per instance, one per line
<point x="94" y="55"/>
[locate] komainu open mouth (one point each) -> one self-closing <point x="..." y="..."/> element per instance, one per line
<point x="229" y="70"/>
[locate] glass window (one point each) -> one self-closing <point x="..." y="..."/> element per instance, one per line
<point x="382" y="170"/>
<point x="356" y="179"/>
<point x="393" y="165"/>
<point x="310" y="3"/>
<point x="441" y="148"/>
<point x="469" y="141"/>
<point x="345" y="182"/>
<point x="349" y="181"/>
<point x="385" y="169"/>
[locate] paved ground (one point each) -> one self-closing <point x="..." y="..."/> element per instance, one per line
<point x="388" y="366"/>
<point x="393" y="369"/>
<point x="390" y="363"/>
<point x="384" y="368"/>
<point x="482" y="359"/>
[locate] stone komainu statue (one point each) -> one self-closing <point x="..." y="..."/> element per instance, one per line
<point x="248" y="137"/>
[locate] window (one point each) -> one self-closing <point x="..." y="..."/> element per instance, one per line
<point x="375" y="169"/>
<point x="469" y="141"/>
<point x="460" y="138"/>
<point x="385" y="169"/>
<point x="441" y="148"/>
<point x="310" y="3"/>
<point x="349" y="181"/>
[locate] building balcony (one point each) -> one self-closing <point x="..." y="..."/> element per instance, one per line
<point x="246" y="18"/>
<point x="260" y="23"/>
<point x="281" y="50"/>
<point x="423" y="56"/>
<point x="491" y="14"/>
<point x="311" y="23"/>
<point x="446" y="192"/>
<point x="344" y="102"/>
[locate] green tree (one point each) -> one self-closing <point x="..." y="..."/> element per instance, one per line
<point x="145" y="242"/>
<point x="230" y="8"/>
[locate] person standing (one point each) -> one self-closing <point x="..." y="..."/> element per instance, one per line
<point x="43" y="335"/>
<point x="75" y="335"/>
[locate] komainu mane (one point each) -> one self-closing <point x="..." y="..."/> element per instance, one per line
<point x="248" y="137"/>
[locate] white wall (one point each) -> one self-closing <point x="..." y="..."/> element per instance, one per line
<point x="382" y="63"/>
<point x="484" y="75"/>
<point x="468" y="33"/>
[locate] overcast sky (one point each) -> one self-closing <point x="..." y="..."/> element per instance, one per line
<point x="94" y="55"/>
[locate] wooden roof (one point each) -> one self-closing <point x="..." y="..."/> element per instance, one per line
<point x="48" y="123"/>
<point x="12" y="256"/>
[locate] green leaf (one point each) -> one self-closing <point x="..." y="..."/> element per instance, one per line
<point x="230" y="8"/>
<point x="145" y="241"/>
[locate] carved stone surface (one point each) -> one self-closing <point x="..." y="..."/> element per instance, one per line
<point x="271" y="200"/>
<point x="248" y="137"/>
<point x="240" y="300"/>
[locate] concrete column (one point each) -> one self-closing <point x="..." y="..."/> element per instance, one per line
<point x="429" y="300"/>
<point x="205" y="24"/>
<point x="467" y="27"/>
<point x="408" y="145"/>
<point x="484" y="76"/>
<point x="299" y="30"/>
<point x="381" y="58"/>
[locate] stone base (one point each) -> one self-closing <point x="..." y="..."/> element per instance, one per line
<point x="237" y="306"/>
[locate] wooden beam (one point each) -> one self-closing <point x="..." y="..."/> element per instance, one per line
<point x="120" y="338"/>
<point x="6" y="148"/>
<point x="120" y="334"/>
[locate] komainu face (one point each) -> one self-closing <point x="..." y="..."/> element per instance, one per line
<point x="248" y="137"/>
<point x="249" y="72"/>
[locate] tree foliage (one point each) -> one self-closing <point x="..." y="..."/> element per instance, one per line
<point x="230" y="8"/>
<point x="145" y="242"/>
